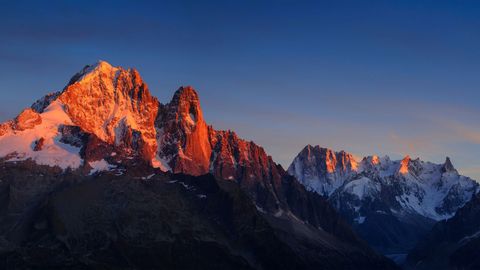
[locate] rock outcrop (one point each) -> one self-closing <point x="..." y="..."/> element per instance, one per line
<point x="27" y="120"/>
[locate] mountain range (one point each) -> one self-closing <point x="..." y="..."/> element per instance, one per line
<point x="392" y="204"/>
<point x="103" y="175"/>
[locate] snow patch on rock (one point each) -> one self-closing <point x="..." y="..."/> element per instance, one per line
<point x="100" y="166"/>
<point x="19" y="145"/>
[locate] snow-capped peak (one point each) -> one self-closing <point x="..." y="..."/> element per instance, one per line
<point x="111" y="103"/>
<point x="315" y="163"/>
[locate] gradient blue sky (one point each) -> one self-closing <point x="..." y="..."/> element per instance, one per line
<point x="369" y="77"/>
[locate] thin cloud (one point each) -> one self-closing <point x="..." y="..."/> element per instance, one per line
<point x="467" y="133"/>
<point x="424" y="146"/>
<point x="473" y="172"/>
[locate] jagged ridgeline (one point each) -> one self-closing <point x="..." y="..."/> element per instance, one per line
<point x="391" y="203"/>
<point x="103" y="175"/>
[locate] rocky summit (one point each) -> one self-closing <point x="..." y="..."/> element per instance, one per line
<point x="104" y="175"/>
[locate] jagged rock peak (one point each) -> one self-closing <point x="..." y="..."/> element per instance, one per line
<point x="99" y="66"/>
<point x="372" y="160"/>
<point x="40" y="105"/>
<point x="185" y="93"/>
<point x="403" y="169"/>
<point x="185" y="105"/>
<point x="112" y="103"/>
<point x="448" y="166"/>
<point x="104" y="72"/>
<point x="27" y="119"/>
<point x="327" y="159"/>
<point x="190" y="149"/>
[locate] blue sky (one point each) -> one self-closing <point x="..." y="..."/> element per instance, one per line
<point x="369" y="77"/>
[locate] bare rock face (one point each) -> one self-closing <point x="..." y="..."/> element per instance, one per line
<point x="115" y="105"/>
<point x="404" y="165"/>
<point x="5" y="127"/>
<point x="326" y="160"/>
<point x="448" y="166"/>
<point x="190" y="146"/>
<point x="316" y="163"/>
<point x="184" y="135"/>
<point x="238" y="160"/>
<point x="27" y="120"/>
<point x="39" y="144"/>
<point x="40" y="105"/>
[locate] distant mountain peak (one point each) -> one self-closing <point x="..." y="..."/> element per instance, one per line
<point x="318" y="162"/>
<point x="448" y="166"/>
<point x="404" y="165"/>
<point x="333" y="161"/>
<point x="372" y="160"/>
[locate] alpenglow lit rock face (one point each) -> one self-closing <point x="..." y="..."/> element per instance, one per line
<point x="106" y="115"/>
<point x="112" y="107"/>
<point x="115" y="105"/>
<point x="390" y="203"/>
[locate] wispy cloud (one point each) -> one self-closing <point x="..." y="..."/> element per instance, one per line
<point x="467" y="133"/>
<point x="473" y="172"/>
<point x="414" y="144"/>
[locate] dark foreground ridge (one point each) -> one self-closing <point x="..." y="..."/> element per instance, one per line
<point x="452" y="244"/>
<point x="153" y="220"/>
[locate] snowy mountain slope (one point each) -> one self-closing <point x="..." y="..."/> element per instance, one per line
<point x="36" y="136"/>
<point x="406" y="196"/>
<point x="431" y="190"/>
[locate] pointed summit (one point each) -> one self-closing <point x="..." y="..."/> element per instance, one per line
<point x="183" y="115"/>
<point x="98" y="67"/>
<point x="374" y="160"/>
<point x="112" y="103"/>
<point x="403" y="169"/>
<point x="186" y="92"/>
<point x="322" y="169"/>
<point x="185" y="105"/>
<point x="448" y="166"/>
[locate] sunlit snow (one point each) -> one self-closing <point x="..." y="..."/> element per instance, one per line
<point x="18" y="145"/>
